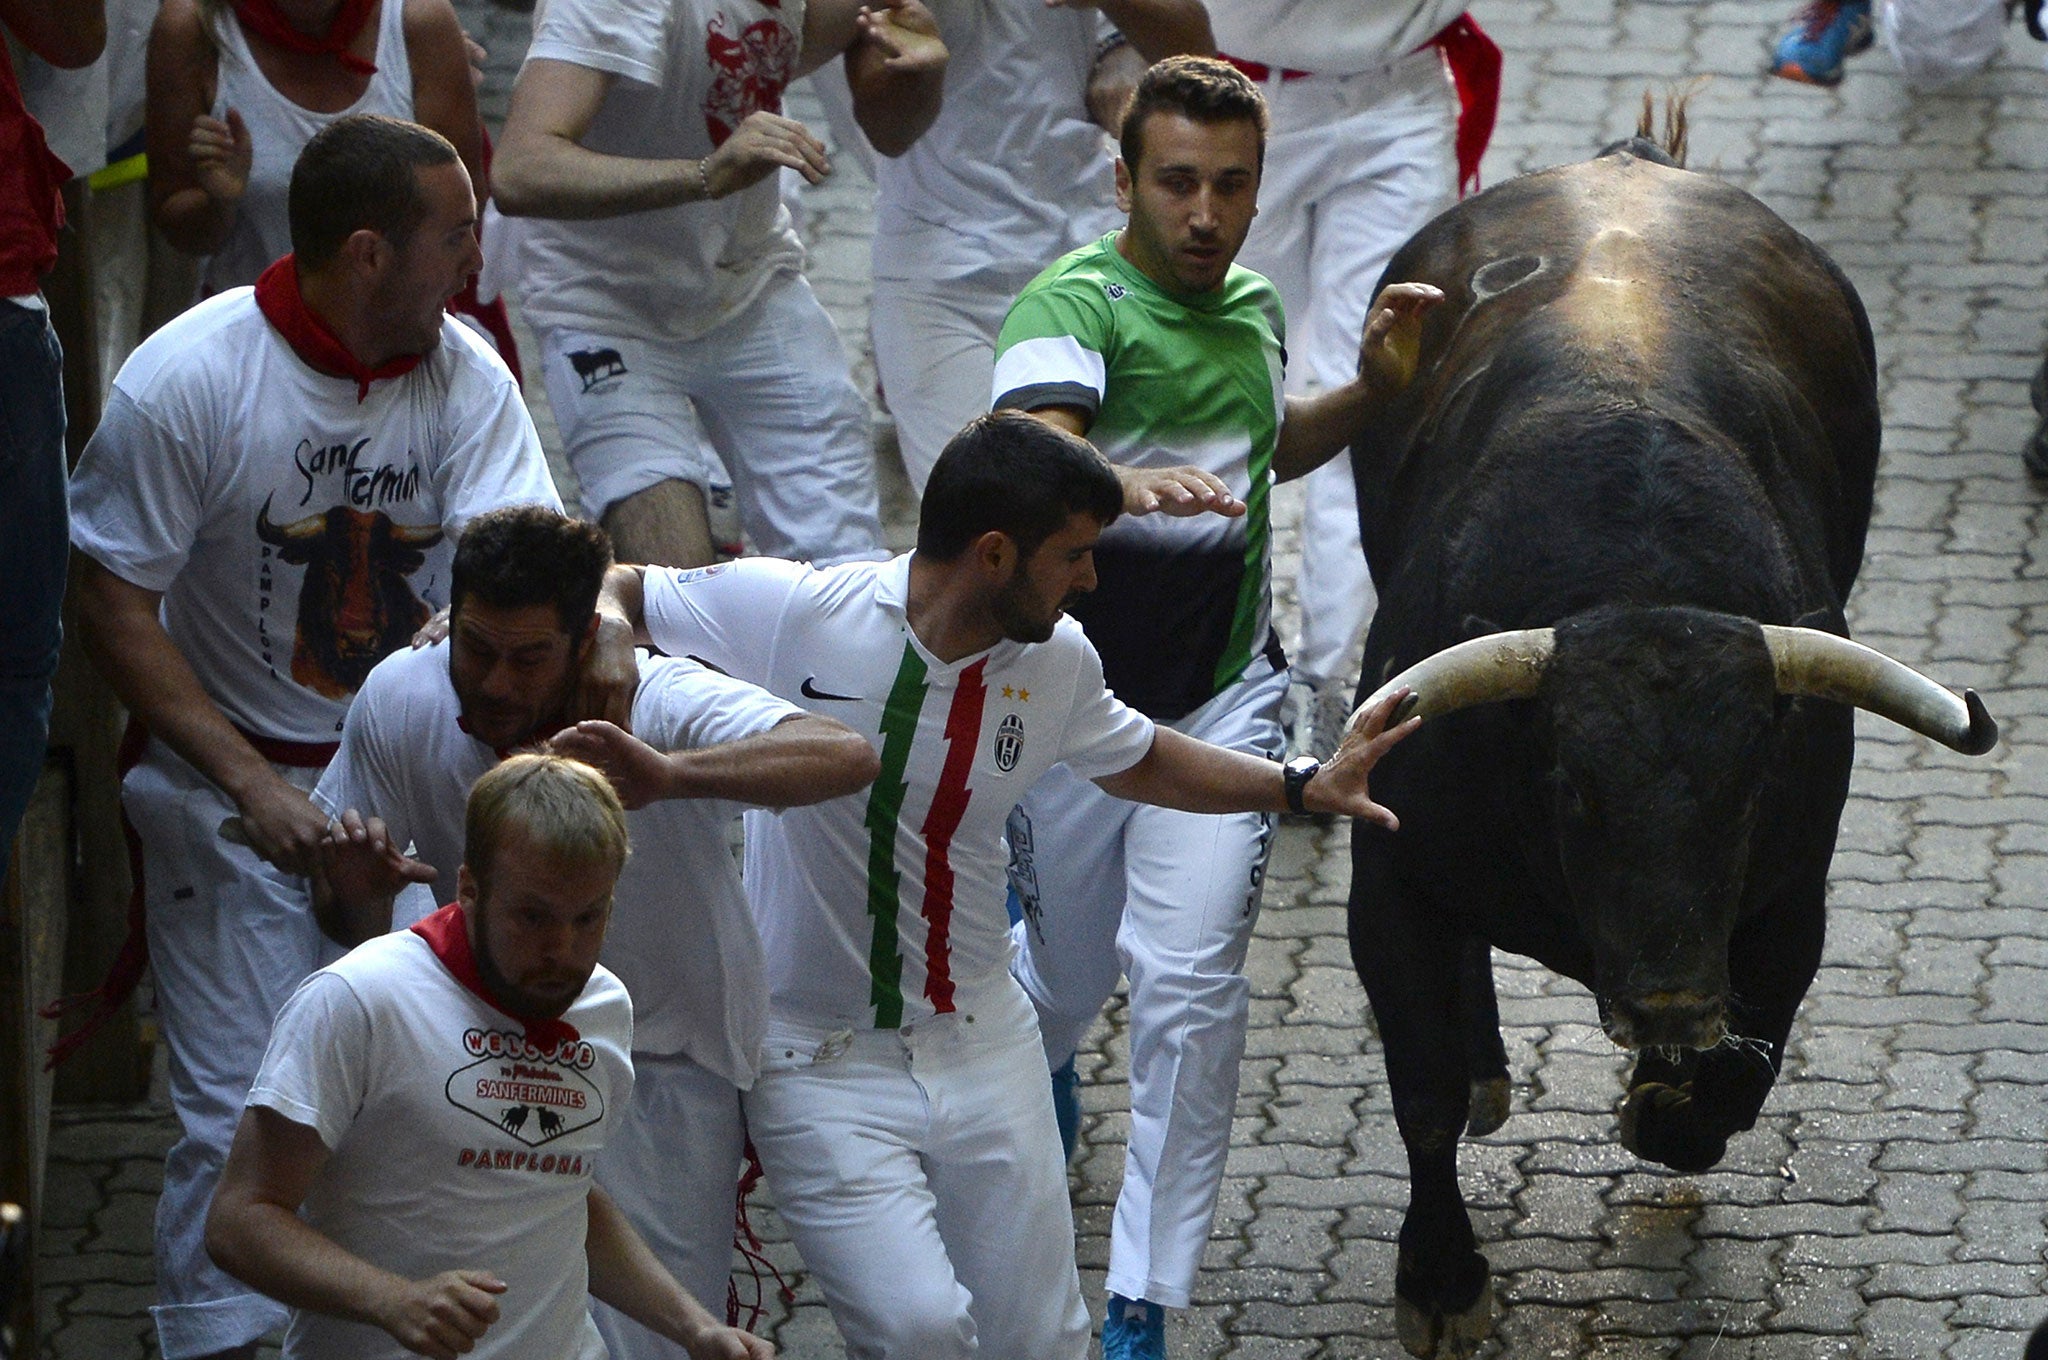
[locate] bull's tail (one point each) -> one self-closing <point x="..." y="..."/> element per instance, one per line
<point x="1646" y="145"/>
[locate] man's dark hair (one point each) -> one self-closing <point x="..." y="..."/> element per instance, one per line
<point x="360" y="172"/>
<point x="1013" y="473"/>
<point x="1199" y="89"/>
<point x="523" y="555"/>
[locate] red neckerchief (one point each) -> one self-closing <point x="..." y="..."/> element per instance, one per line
<point x="1475" y="64"/>
<point x="266" y="20"/>
<point x="447" y="934"/>
<point x="278" y="298"/>
<point x="540" y="736"/>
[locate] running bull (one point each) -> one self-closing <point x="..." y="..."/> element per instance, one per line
<point x="1613" y="521"/>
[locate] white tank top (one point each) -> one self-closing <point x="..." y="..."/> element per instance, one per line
<point x="278" y="131"/>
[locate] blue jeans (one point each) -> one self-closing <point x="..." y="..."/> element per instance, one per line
<point x="35" y="532"/>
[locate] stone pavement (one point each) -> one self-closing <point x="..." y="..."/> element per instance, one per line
<point x="1890" y="1203"/>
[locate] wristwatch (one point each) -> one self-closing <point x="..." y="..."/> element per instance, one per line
<point x="1294" y="777"/>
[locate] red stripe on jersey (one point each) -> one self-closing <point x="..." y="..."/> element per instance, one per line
<point x="949" y="805"/>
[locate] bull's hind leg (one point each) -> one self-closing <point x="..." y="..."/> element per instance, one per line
<point x="1443" y="1303"/>
<point x="1681" y="1113"/>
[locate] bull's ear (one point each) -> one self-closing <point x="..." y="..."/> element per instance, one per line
<point x="1477" y="626"/>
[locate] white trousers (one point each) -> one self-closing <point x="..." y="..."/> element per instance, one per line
<point x="1355" y="165"/>
<point x="229" y="939"/>
<point x="935" y="348"/>
<point x="768" y="392"/>
<point x="919" y="1172"/>
<point x="1168" y="899"/>
<point x="672" y="1164"/>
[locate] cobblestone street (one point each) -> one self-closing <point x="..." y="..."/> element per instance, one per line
<point x="1890" y="1202"/>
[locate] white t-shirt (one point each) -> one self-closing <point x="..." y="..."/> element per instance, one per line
<point x="681" y="938"/>
<point x="1328" y="37"/>
<point x="690" y="71"/>
<point x="1013" y="172"/>
<point x="453" y="1142"/>
<point x="875" y="908"/>
<point x="298" y="535"/>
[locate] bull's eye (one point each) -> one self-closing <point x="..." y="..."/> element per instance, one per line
<point x="1571" y="800"/>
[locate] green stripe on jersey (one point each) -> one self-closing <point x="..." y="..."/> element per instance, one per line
<point x="884" y="815"/>
<point x="1252" y="586"/>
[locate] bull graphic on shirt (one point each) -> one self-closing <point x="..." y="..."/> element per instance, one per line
<point x="748" y="71"/>
<point x="355" y="604"/>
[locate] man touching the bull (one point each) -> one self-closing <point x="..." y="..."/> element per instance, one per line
<point x="1380" y="110"/>
<point x="267" y="508"/>
<point x="1157" y="347"/>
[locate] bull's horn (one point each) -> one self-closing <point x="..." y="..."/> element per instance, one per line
<point x="1485" y="670"/>
<point x="1825" y="666"/>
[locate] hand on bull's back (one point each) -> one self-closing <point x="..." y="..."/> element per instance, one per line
<point x="1391" y="346"/>
<point x="1340" y="787"/>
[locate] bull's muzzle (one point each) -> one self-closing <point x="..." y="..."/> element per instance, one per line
<point x="1675" y="1019"/>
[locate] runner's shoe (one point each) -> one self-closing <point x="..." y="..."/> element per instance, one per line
<point x="1822" y="36"/>
<point x="1133" y="1330"/>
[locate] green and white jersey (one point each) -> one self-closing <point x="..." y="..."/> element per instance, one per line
<point x="876" y="909"/>
<point x="1182" y="606"/>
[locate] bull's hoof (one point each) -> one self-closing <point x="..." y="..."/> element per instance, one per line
<point x="1486" y="1108"/>
<point x="1658" y="1124"/>
<point x="1444" y="1336"/>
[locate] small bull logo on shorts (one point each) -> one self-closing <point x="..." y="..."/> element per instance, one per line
<point x="1009" y="743"/>
<point x="597" y="366"/>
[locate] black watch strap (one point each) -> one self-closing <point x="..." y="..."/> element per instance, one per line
<point x="1294" y="777"/>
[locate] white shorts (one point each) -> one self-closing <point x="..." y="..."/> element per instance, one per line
<point x="1167" y="899"/>
<point x="919" y="1172"/>
<point x="935" y="348"/>
<point x="1355" y="165"/>
<point x="672" y="1165"/>
<point x="767" y="393"/>
<point x="230" y="938"/>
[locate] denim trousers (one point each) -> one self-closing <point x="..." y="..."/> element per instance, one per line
<point x="35" y="529"/>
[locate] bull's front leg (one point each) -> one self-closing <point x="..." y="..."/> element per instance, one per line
<point x="1681" y="1115"/>
<point x="1443" y="1301"/>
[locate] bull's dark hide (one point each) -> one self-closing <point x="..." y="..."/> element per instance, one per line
<point x="1646" y="416"/>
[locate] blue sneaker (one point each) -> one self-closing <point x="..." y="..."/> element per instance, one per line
<point x="1133" y="1330"/>
<point x="1066" y="1106"/>
<point x="1821" y="37"/>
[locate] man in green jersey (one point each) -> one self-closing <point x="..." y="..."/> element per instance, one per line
<point x="1155" y="345"/>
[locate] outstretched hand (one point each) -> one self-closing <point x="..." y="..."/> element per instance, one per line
<point x="1391" y="347"/>
<point x="906" y="33"/>
<point x="1177" y="491"/>
<point x="1340" y="786"/>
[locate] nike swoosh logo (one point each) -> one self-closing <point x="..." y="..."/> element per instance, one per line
<point x="811" y="691"/>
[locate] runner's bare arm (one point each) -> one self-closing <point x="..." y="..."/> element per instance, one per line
<point x="254" y="1232"/>
<point x="620" y="599"/>
<point x="1162" y="28"/>
<point x="542" y="168"/>
<point x="125" y="640"/>
<point x="443" y="95"/>
<point x="803" y="759"/>
<point x="67" y="33"/>
<point x="895" y="64"/>
<point x="626" y="1275"/>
